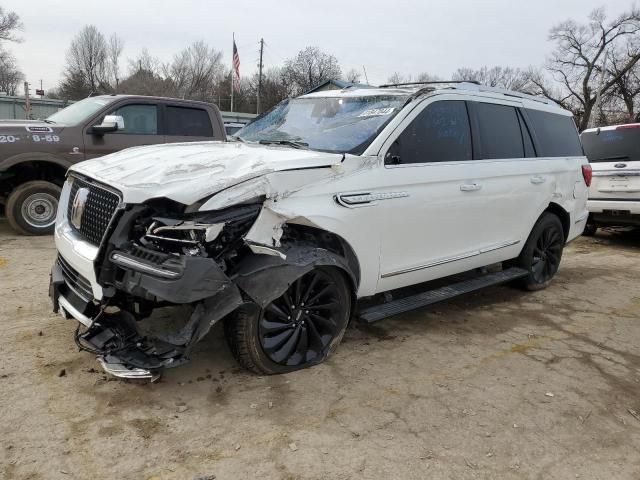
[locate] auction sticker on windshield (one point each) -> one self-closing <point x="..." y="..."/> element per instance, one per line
<point x="377" y="112"/>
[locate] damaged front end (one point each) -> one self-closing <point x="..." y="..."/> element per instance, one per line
<point x="157" y="255"/>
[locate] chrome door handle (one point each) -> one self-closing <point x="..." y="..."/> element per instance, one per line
<point x="470" y="187"/>
<point x="538" y="179"/>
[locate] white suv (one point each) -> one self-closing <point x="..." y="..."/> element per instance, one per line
<point x="614" y="196"/>
<point x="326" y="199"/>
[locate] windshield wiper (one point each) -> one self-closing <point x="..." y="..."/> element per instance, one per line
<point x="290" y="143"/>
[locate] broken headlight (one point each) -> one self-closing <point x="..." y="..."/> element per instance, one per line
<point x="217" y="234"/>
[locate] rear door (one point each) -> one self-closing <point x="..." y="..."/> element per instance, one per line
<point x="187" y="124"/>
<point x="141" y="127"/>
<point x="614" y="154"/>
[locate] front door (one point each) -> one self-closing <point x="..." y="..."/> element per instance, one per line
<point x="141" y="127"/>
<point x="458" y="209"/>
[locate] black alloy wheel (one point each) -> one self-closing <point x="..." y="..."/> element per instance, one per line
<point x="546" y="254"/>
<point x="299" y="329"/>
<point x="541" y="253"/>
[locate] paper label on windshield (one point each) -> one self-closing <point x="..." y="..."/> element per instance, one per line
<point x="377" y="112"/>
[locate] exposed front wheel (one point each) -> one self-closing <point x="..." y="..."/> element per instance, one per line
<point x="31" y="208"/>
<point x="299" y="329"/>
<point x="542" y="252"/>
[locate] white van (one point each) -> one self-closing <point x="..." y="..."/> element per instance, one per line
<point x="329" y="198"/>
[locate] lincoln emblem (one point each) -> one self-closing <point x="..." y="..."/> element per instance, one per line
<point x="77" y="209"/>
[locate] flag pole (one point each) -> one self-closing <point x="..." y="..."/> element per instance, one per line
<point x="232" y="47"/>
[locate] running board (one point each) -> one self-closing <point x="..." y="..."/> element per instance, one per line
<point x="395" y="307"/>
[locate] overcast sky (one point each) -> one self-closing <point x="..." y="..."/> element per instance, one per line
<point x="385" y="36"/>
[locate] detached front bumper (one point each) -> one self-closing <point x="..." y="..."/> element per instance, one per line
<point x="110" y="330"/>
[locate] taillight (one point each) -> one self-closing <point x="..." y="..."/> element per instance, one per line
<point x="587" y="174"/>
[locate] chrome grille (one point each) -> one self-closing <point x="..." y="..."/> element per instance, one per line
<point x="76" y="282"/>
<point x="98" y="211"/>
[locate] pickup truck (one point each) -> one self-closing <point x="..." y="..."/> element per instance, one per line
<point x="35" y="154"/>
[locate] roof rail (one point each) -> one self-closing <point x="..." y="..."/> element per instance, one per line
<point x="513" y="93"/>
<point x="409" y="84"/>
<point x="475" y="86"/>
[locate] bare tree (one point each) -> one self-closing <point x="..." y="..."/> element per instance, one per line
<point x="9" y="24"/>
<point x="10" y="75"/>
<point x="578" y="57"/>
<point x="114" y="51"/>
<point x="397" y="77"/>
<point x="195" y="71"/>
<point x="86" y="62"/>
<point x="353" y="76"/>
<point x="627" y="86"/>
<point x="309" y="68"/>
<point x="427" y="77"/>
<point x="146" y="78"/>
<point x="501" y="77"/>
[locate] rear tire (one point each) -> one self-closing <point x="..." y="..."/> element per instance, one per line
<point x="542" y="252"/>
<point x="289" y="335"/>
<point x="31" y="208"/>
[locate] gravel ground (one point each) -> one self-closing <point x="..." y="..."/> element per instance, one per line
<point x="498" y="384"/>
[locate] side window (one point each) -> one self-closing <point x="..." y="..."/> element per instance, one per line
<point x="499" y="131"/>
<point x="440" y="133"/>
<point x="557" y="134"/>
<point x="139" y="119"/>
<point x="189" y="122"/>
<point x="529" y="150"/>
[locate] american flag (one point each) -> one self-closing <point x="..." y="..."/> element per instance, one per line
<point x="236" y="68"/>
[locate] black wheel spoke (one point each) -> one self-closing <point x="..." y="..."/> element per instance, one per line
<point x="273" y="327"/>
<point x="288" y="347"/>
<point x="309" y="289"/>
<point x="318" y="295"/>
<point x="275" y="341"/>
<point x="325" y="306"/>
<point x="277" y="311"/>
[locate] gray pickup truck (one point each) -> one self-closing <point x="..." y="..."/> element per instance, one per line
<point x="35" y="155"/>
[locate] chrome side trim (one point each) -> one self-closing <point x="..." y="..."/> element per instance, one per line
<point x="449" y="260"/>
<point x="64" y="304"/>
<point x="125" y="261"/>
<point x="360" y="199"/>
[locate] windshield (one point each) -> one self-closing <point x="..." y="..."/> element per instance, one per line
<point x="331" y="124"/>
<point x="79" y="111"/>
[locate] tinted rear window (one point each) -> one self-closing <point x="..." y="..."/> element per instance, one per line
<point x="499" y="130"/>
<point x="557" y="135"/>
<point x="612" y="145"/>
<point x="189" y="122"/>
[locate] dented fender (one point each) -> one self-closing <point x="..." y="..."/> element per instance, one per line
<point x="266" y="277"/>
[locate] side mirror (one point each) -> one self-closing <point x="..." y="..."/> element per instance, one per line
<point x="111" y="123"/>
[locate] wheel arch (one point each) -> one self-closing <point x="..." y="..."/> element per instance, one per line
<point x="563" y="216"/>
<point x="24" y="170"/>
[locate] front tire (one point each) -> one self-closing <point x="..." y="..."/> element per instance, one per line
<point x="31" y="208"/>
<point x="542" y="252"/>
<point x="299" y="329"/>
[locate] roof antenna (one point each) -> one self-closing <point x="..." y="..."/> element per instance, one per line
<point x="365" y="75"/>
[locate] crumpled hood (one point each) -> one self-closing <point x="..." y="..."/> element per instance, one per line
<point x="188" y="172"/>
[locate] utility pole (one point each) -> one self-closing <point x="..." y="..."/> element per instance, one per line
<point x="27" y="103"/>
<point x="259" y="77"/>
<point x="365" y="74"/>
